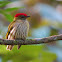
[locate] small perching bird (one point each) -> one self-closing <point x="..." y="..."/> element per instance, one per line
<point x="18" y="29"/>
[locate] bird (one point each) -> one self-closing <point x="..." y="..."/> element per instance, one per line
<point x="18" y="29"/>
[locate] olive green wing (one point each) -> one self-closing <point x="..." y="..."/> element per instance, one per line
<point x="10" y="27"/>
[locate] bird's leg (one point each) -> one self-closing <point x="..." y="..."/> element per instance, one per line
<point x="19" y="44"/>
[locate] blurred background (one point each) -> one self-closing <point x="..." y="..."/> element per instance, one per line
<point x="45" y="21"/>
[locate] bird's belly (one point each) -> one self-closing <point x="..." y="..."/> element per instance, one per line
<point x="21" y="32"/>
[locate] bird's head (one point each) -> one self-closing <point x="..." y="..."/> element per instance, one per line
<point x="21" y="16"/>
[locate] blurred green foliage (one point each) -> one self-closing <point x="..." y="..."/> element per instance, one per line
<point x="8" y="16"/>
<point x="12" y="9"/>
<point x="6" y="11"/>
<point x="27" y="53"/>
<point x="3" y="3"/>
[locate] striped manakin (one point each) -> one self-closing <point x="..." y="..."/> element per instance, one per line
<point x="18" y="29"/>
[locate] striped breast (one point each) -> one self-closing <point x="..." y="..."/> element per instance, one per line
<point x="20" y="30"/>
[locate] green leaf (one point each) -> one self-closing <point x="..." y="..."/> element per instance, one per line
<point x="8" y="16"/>
<point x="12" y="9"/>
<point x="3" y="3"/>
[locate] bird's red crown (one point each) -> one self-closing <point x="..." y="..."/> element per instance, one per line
<point x="18" y="14"/>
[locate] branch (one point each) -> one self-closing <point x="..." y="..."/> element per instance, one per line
<point x="31" y="41"/>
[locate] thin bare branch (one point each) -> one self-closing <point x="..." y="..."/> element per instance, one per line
<point x="31" y="41"/>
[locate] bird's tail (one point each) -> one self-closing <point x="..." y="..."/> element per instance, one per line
<point x="9" y="47"/>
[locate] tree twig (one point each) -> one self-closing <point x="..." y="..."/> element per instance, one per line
<point x="31" y="41"/>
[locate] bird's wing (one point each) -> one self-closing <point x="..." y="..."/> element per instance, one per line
<point x="10" y="27"/>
